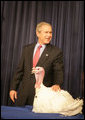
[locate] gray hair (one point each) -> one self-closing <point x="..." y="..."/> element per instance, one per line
<point x="39" y="25"/>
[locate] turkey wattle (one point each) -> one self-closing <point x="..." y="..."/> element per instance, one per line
<point x="48" y="101"/>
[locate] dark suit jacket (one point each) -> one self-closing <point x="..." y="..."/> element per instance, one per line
<point x="52" y="61"/>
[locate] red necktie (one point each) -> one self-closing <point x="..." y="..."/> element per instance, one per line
<point x="36" y="56"/>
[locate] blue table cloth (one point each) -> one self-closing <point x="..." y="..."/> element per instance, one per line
<point x="8" y="112"/>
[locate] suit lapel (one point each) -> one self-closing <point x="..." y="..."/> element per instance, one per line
<point x="31" y="54"/>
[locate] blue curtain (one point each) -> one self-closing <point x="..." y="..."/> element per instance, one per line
<point x="18" y="23"/>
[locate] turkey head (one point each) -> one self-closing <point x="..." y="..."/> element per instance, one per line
<point x="39" y="75"/>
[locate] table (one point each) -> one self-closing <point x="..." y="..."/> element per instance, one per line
<point x="11" y="112"/>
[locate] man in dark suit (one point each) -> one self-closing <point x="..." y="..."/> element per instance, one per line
<point x="51" y="59"/>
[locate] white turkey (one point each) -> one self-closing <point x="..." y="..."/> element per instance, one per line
<point x="48" y="101"/>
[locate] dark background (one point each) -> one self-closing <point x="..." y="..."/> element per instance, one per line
<point x="18" y="23"/>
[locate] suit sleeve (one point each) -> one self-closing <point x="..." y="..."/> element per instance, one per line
<point x="58" y="68"/>
<point x="18" y="74"/>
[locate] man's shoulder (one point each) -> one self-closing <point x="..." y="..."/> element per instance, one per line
<point x="29" y="45"/>
<point x="54" y="47"/>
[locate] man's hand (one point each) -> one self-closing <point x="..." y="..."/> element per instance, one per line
<point x="56" y="88"/>
<point x="13" y="95"/>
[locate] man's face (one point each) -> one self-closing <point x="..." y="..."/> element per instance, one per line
<point x="45" y="35"/>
